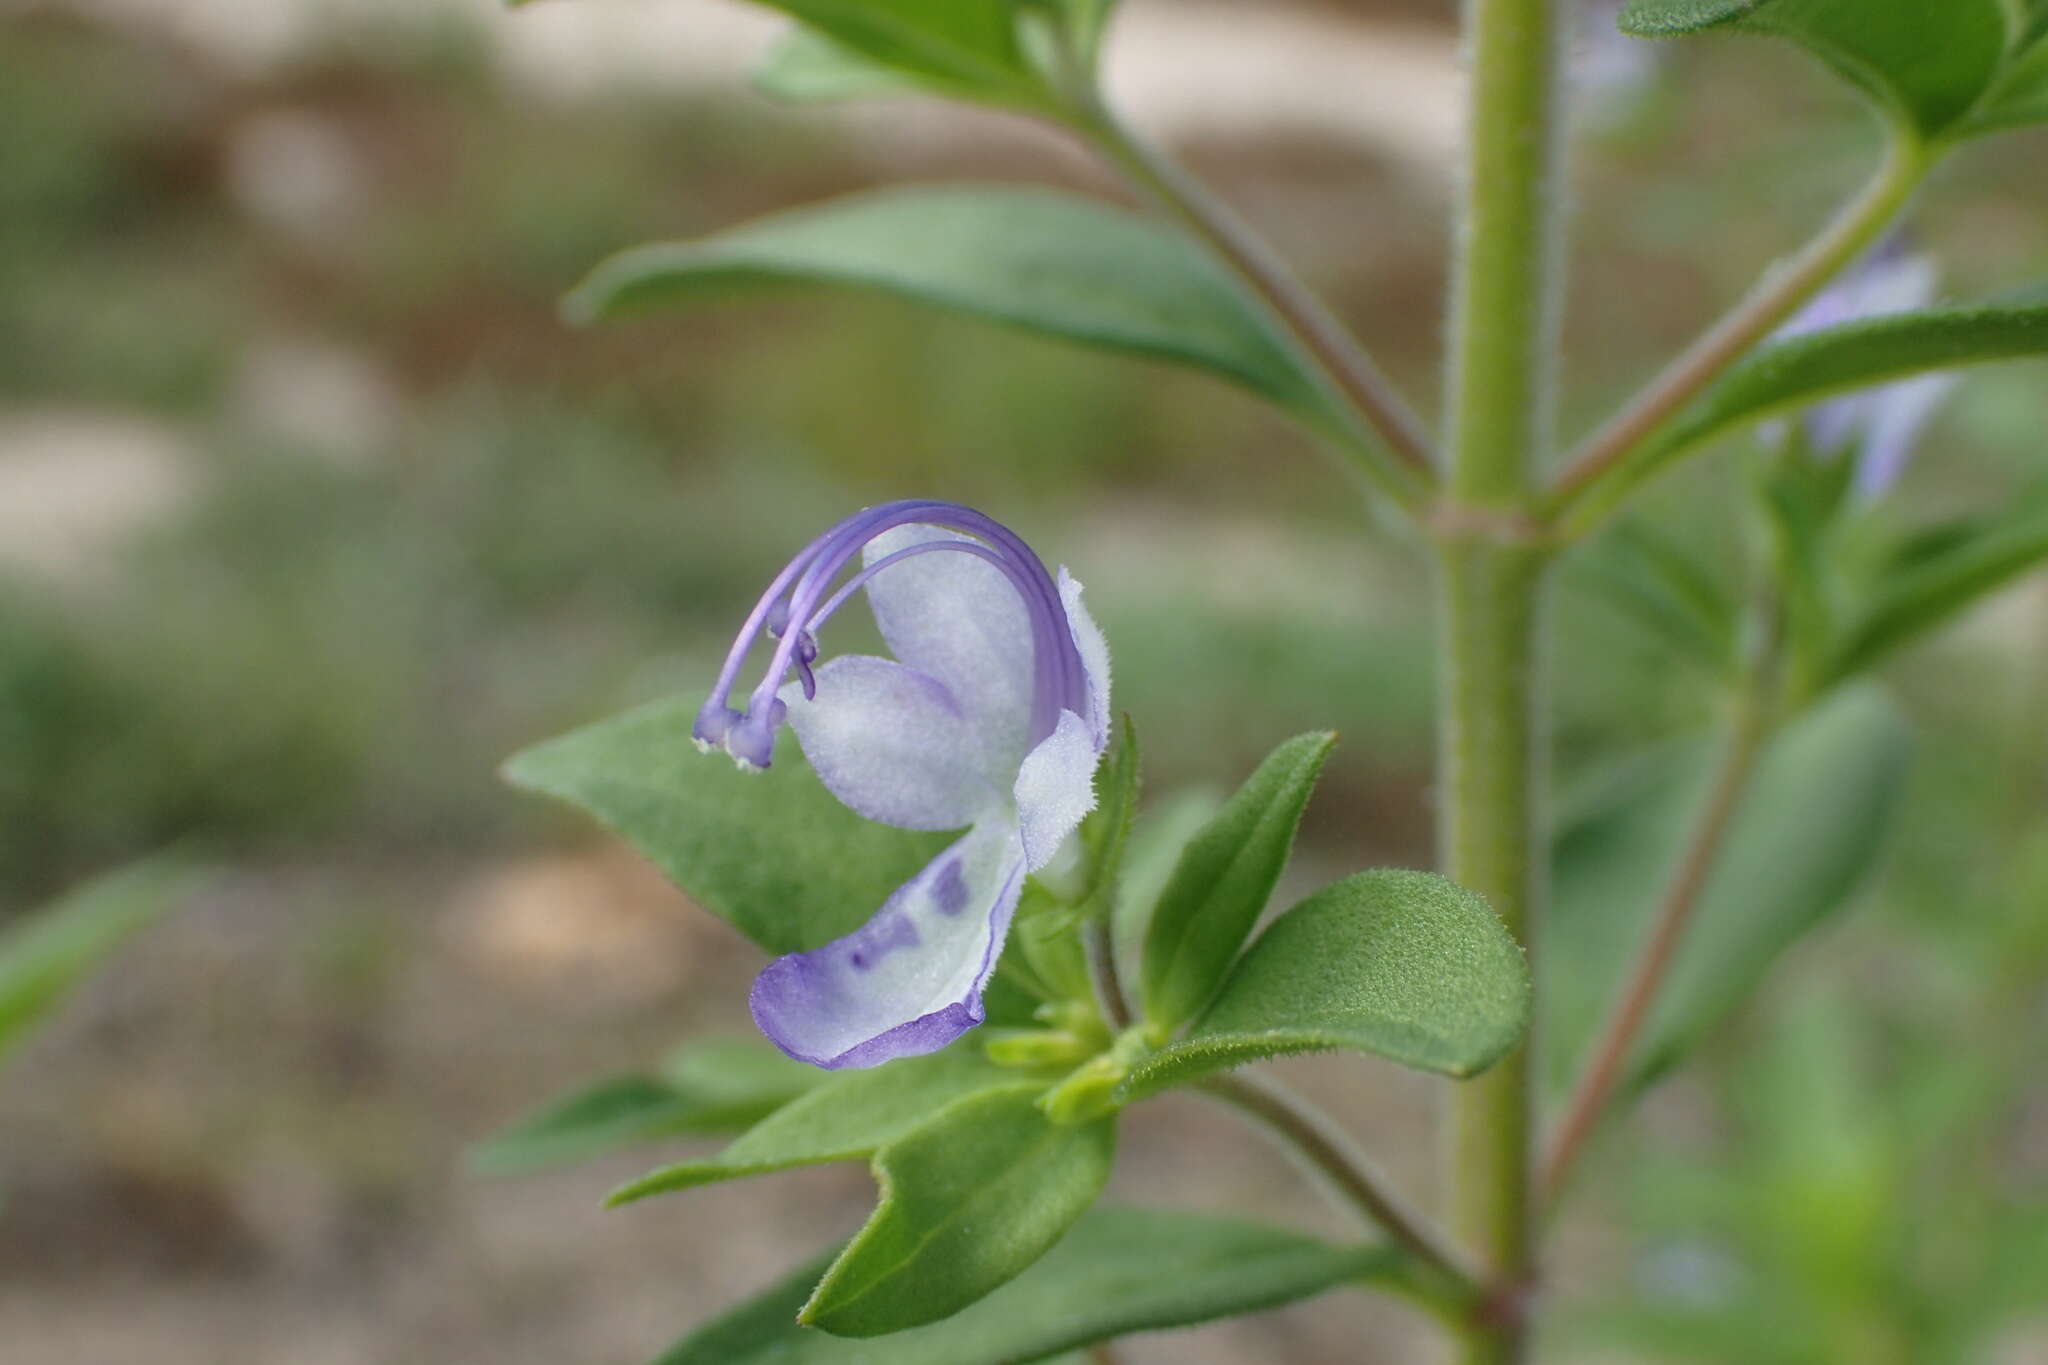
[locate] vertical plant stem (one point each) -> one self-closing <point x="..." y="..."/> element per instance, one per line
<point x="1490" y="717"/>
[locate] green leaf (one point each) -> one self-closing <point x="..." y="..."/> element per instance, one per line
<point x="1034" y="259"/>
<point x="1925" y="62"/>
<point x="51" y="950"/>
<point x="807" y="67"/>
<point x="965" y="48"/>
<point x="1808" y="831"/>
<point x="1222" y="882"/>
<point x="2020" y="95"/>
<point x="1663" y="586"/>
<point x="968" y="1202"/>
<point x="1118" y="1272"/>
<point x="1793" y="373"/>
<point x="1106" y="832"/>
<point x="848" y="1117"/>
<point x="773" y="853"/>
<point x="1936" y="590"/>
<point x="709" y="1087"/>
<point x="1157" y="838"/>
<point x="1405" y="965"/>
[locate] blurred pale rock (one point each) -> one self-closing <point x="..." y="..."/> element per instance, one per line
<point x="600" y="925"/>
<point x="312" y="397"/>
<point x="1183" y="68"/>
<point x="298" y="173"/>
<point x="75" y="485"/>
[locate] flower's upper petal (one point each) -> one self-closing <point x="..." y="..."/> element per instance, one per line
<point x="958" y="618"/>
<point x="1055" y="788"/>
<point x="909" y="981"/>
<point x="892" y="743"/>
<point x="1094" y="657"/>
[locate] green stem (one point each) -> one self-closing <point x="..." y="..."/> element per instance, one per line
<point x="1404" y="468"/>
<point x="1504" y="334"/>
<point x="1749" y="728"/>
<point x="1325" y="1149"/>
<point x="1620" y="454"/>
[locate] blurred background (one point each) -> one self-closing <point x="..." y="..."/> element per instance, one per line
<point x="311" y="512"/>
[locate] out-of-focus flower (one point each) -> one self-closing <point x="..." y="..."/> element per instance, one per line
<point x="1877" y="427"/>
<point x="993" y="715"/>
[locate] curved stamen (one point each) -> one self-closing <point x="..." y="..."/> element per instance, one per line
<point x="792" y="611"/>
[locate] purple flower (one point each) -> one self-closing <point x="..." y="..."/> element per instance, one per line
<point x="992" y="716"/>
<point x="1877" y="427"/>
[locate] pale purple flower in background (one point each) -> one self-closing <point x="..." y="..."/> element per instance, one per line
<point x="1610" y="71"/>
<point x="992" y="717"/>
<point x="1877" y="427"/>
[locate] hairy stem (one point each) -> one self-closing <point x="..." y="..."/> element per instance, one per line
<point x="1607" y="466"/>
<point x="1315" y="1138"/>
<point x="1407" y="467"/>
<point x="1504" y="334"/>
<point x="1749" y="728"/>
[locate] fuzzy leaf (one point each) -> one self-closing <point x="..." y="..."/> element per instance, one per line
<point x="707" y="1088"/>
<point x="1405" y="965"/>
<point x="1223" y="879"/>
<point x="772" y="853"/>
<point x="1045" y="262"/>
<point x="969" y="1201"/>
<point x="848" y="1117"/>
<point x="1805" y="838"/>
<point x="46" y="953"/>
<point x="1119" y="1271"/>
<point x="1925" y="62"/>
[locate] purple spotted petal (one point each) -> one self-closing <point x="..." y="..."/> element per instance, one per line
<point x="909" y="981"/>
<point x="891" y="743"/>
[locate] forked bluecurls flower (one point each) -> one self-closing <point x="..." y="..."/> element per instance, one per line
<point x="1877" y="427"/>
<point x="992" y="716"/>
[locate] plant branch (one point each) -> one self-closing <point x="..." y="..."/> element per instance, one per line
<point x="1748" y="729"/>
<point x="1315" y="1138"/>
<point x="1609" y="463"/>
<point x="1408" y="465"/>
<point x="1109" y="986"/>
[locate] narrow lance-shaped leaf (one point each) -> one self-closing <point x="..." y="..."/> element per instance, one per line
<point x="1119" y="1271"/>
<point x="45" y="954"/>
<point x="1223" y="879"/>
<point x="2020" y="96"/>
<point x="1793" y="373"/>
<point x="1807" y="834"/>
<point x="773" y="853"/>
<point x="1045" y="262"/>
<point x="1925" y="62"/>
<point x="969" y="1201"/>
<point x="1404" y="965"/>
<point x="967" y="49"/>
<point x="846" y="1118"/>
<point x="706" y="1087"/>
<point x="1937" y="590"/>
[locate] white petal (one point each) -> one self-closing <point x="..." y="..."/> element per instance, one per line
<point x="958" y="618"/>
<point x="909" y="981"/>
<point x="891" y="742"/>
<point x="1094" y="656"/>
<point x="1055" y="788"/>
